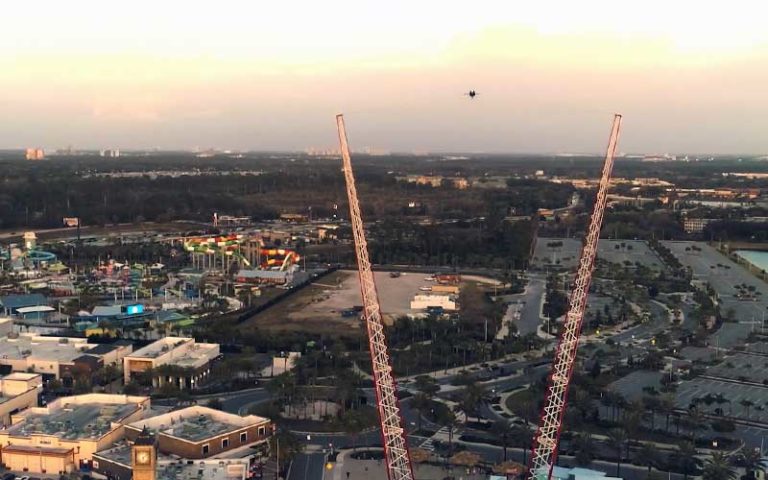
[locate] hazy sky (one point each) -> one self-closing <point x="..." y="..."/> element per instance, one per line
<point x="689" y="76"/>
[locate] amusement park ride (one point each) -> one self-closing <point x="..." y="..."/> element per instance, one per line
<point x="220" y="251"/>
<point x="548" y="435"/>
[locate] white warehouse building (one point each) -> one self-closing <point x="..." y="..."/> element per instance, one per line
<point x="422" y="302"/>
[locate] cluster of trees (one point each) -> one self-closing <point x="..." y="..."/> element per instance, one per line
<point x="556" y="303"/>
<point x="430" y="344"/>
<point x="472" y="243"/>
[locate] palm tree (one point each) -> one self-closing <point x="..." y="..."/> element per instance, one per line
<point x="632" y="423"/>
<point x="420" y="403"/>
<point x="617" y="438"/>
<point x="523" y="436"/>
<point x="649" y="454"/>
<point x="687" y="459"/>
<point x="427" y="385"/>
<point x="696" y="419"/>
<point x="752" y="461"/>
<point x="717" y="468"/>
<point x="667" y="407"/>
<point x="584" y="449"/>
<point x="747" y="404"/>
<point x="473" y="395"/>
<point x="502" y="429"/>
<point x="651" y="405"/>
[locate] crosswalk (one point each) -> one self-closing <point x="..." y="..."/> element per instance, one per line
<point x="441" y="435"/>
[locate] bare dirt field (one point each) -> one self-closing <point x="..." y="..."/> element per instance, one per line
<point x="317" y="308"/>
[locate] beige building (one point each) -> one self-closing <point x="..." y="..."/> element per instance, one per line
<point x="18" y="391"/>
<point x="282" y="364"/>
<point x="26" y="352"/>
<point x="192" y="359"/>
<point x="6" y="326"/>
<point x="200" y="432"/>
<point x="112" y="353"/>
<point x="423" y="302"/>
<point x="35" y="154"/>
<point x="695" y="225"/>
<point x="64" y="435"/>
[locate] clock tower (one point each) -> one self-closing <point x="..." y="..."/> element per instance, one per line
<point x="144" y="456"/>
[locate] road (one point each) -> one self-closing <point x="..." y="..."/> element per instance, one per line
<point x="528" y="304"/>
<point x="239" y="402"/>
<point x="658" y="322"/>
<point x="307" y="466"/>
<point x="496" y="454"/>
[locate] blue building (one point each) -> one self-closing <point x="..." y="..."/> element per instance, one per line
<point x="11" y="304"/>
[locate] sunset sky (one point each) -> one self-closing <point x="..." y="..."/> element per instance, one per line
<point x="688" y="76"/>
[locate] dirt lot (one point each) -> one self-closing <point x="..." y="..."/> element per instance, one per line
<point x="318" y="307"/>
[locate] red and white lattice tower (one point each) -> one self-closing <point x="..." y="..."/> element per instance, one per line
<point x="392" y="431"/>
<point x="548" y="434"/>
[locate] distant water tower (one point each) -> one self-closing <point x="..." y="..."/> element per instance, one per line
<point x="30" y="240"/>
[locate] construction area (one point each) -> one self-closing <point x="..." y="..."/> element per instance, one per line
<point x="333" y="304"/>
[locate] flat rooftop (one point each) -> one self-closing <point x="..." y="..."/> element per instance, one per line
<point x="198" y="423"/>
<point x="155" y="349"/>
<point x="73" y="421"/>
<point x="207" y="470"/>
<point x="170" y="467"/>
<point x="121" y="453"/>
<point x="20" y="376"/>
<point x="183" y="352"/>
<point x="44" y="348"/>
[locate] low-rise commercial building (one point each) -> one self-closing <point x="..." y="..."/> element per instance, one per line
<point x="112" y="353"/>
<point x="200" y="432"/>
<point x="191" y="361"/>
<point x="53" y="357"/>
<point x="424" y="302"/>
<point x="18" y="391"/>
<point x="64" y="435"/>
<point x="14" y="305"/>
<point x="116" y="463"/>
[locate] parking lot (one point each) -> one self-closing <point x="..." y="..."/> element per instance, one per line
<point x="631" y="386"/>
<point x="709" y="265"/>
<point x="734" y="393"/>
<point x="753" y="368"/>
<point x="564" y="253"/>
<point x="730" y="335"/>
<point x="556" y="252"/>
<point x="628" y="252"/>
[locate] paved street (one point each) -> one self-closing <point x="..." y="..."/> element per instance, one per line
<point x="240" y="402"/>
<point x="307" y="466"/>
<point x="528" y="304"/>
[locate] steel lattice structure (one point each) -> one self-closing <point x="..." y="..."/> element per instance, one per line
<point x="548" y="435"/>
<point x="393" y="434"/>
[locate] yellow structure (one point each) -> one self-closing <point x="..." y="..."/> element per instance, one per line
<point x="144" y="456"/>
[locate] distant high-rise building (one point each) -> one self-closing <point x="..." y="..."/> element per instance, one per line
<point x="35" y="154"/>
<point x="110" y="153"/>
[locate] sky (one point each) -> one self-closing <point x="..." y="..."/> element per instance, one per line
<point x="688" y="76"/>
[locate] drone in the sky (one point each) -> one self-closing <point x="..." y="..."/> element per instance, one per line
<point x="471" y="94"/>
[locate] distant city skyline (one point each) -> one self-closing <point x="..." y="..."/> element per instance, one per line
<point x="238" y="75"/>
